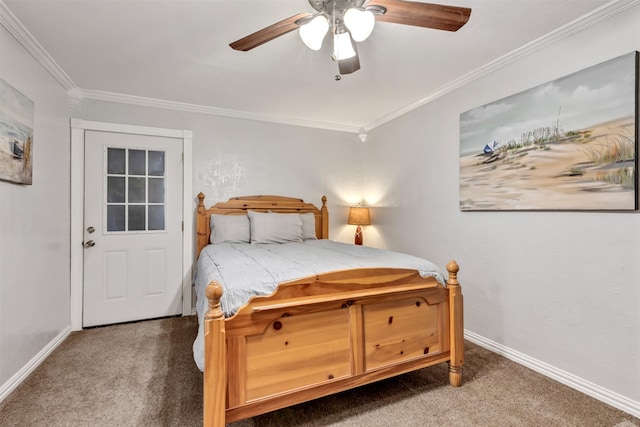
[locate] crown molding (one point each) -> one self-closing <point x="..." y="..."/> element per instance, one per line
<point x="98" y="95"/>
<point x="594" y="17"/>
<point x="26" y="39"/>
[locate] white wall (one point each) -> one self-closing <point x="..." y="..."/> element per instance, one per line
<point x="559" y="288"/>
<point x="238" y="157"/>
<point x="34" y="223"/>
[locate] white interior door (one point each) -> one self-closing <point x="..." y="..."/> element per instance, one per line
<point x="132" y="227"/>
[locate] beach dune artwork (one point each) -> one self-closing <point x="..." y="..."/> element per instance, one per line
<point x="16" y="135"/>
<point x="569" y="144"/>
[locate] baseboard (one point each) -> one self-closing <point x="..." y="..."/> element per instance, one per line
<point x="27" y="369"/>
<point x="597" y="392"/>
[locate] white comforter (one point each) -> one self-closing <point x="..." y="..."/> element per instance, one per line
<point x="246" y="270"/>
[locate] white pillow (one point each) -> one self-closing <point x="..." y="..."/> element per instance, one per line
<point x="270" y="228"/>
<point x="230" y="229"/>
<point x="308" y="226"/>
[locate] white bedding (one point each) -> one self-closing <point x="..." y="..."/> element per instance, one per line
<point x="245" y="270"/>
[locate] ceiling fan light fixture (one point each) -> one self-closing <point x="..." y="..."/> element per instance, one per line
<point x="352" y="21"/>
<point x="342" y="46"/>
<point x="360" y="23"/>
<point x="312" y="33"/>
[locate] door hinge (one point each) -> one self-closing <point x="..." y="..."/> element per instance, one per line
<point x="182" y="225"/>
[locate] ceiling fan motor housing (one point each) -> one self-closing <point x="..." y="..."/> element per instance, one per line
<point x="340" y="5"/>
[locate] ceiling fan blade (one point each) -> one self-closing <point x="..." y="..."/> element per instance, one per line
<point x="268" y="33"/>
<point x="350" y="65"/>
<point x="427" y="15"/>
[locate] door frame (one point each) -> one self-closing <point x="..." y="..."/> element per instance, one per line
<point x="78" y="128"/>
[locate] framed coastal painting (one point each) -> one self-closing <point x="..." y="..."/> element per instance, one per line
<point x="16" y="135"/>
<point x="570" y="144"/>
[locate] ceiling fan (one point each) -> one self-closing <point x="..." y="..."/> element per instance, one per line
<point x="352" y="21"/>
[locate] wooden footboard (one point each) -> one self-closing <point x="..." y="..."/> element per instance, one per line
<point x="325" y="334"/>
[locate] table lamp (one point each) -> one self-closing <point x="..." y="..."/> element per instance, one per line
<point x="359" y="216"/>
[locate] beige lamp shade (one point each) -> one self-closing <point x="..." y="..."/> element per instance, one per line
<point x="359" y="216"/>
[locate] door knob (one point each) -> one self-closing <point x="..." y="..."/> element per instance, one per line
<point x="89" y="244"/>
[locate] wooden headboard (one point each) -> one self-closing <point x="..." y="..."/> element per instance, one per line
<point x="240" y="206"/>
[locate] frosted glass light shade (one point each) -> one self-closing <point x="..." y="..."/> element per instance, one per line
<point x="342" y="47"/>
<point x="359" y="22"/>
<point x="312" y="33"/>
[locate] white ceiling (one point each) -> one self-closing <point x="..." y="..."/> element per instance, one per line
<point x="178" y="51"/>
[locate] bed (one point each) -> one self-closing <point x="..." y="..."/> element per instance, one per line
<point x="316" y="335"/>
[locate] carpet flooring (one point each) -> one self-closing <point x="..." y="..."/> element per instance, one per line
<point x="143" y="374"/>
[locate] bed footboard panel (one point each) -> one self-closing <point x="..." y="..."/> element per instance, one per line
<point x="397" y="331"/>
<point x="288" y="354"/>
<point x="298" y="351"/>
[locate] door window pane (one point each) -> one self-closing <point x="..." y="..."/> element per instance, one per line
<point x="116" y="161"/>
<point x="156" y="217"/>
<point x="137" y="220"/>
<point x="115" y="189"/>
<point x="156" y="190"/>
<point x="115" y="218"/>
<point x="137" y="190"/>
<point x="156" y="163"/>
<point x="137" y="162"/>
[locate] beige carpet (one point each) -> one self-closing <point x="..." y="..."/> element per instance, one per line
<point x="143" y="374"/>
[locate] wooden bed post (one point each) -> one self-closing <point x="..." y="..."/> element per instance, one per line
<point x="456" y="325"/>
<point x="325" y="218"/>
<point x="215" y="372"/>
<point x="202" y="238"/>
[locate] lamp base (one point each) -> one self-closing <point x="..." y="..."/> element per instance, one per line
<point x="358" y="239"/>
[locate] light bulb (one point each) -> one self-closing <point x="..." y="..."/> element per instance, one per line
<point x="312" y="33"/>
<point x="342" y="47"/>
<point x="360" y="23"/>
